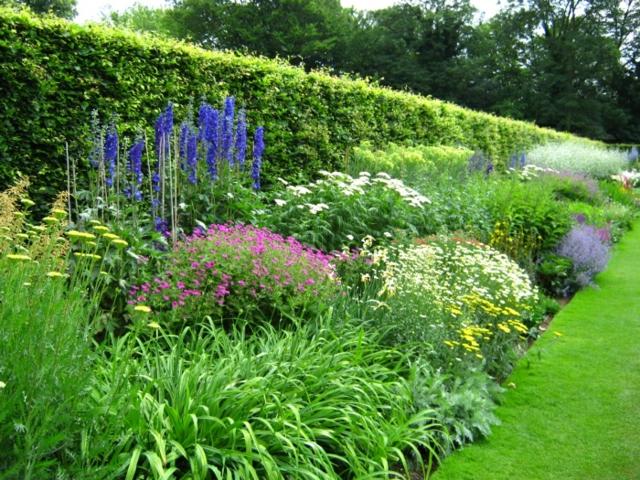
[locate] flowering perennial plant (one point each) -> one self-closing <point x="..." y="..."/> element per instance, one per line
<point x="461" y="301"/>
<point x="185" y="165"/>
<point x="229" y="269"/>
<point x="588" y="248"/>
<point x="339" y="210"/>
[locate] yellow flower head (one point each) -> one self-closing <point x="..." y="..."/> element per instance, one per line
<point x="110" y="236"/>
<point x="27" y="202"/>
<point x="22" y="236"/>
<point x="50" y="220"/>
<point x="55" y="274"/>
<point x="101" y="228"/>
<point x="91" y="256"/>
<point x="59" y="213"/>
<point x="94" y="222"/>
<point x="153" y="325"/>
<point x="118" y="242"/>
<point x="75" y="234"/>
<point x="142" y="308"/>
<point x="19" y="257"/>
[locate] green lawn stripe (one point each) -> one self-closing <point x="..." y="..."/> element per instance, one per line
<point x="575" y="411"/>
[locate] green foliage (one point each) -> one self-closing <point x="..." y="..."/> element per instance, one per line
<point x="408" y="163"/>
<point x="45" y="369"/>
<point x="55" y="73"/>
<point x="464" y="404"/>
<point x="528" y="219"/>
<point x="340" y="211"/>
<point x="323" y="403"/>
<point x="580" y="158"/>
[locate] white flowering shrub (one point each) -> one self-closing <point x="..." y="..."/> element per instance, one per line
<point x="579" y="158"/>
<point x="462" y="301"/>
<point x="339" y="210"/>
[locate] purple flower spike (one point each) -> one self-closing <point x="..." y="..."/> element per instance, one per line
<point x="241" y="138"/>
<point x="192" y="157"/>
<point x="258" y="150"/>
<point x="227" y="129"/>
<point x="135" y="167"/>
<point x="110" y="155"/>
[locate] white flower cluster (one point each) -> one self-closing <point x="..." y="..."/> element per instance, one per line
<point x="449" y="272"/>
<point x="349" y="185"/>
<point x="532" y="171"/>
<point x="628" y="178"/>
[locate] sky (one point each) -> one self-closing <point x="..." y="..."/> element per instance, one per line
<point x="93" y="9"/>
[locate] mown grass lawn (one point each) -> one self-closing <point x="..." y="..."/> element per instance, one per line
<point x="575" y="410"/>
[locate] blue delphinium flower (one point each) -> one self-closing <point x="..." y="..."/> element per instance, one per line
<point x="135" y="167"/>
<point x="489" y="170"/>
<point x="110" y="155"/>
<point x="182" y="143"/>
<point x="241" y="138"/>
<point x="227" y="129"/>
<point x="523" y="160"/>
<point x="208" y="122"/>
<point x="633" y="154"/>
<point x="192" y="157"/>
<point x="513" y="161"/>
<point x="161" y="225"/>
<point x="258" y="150"/>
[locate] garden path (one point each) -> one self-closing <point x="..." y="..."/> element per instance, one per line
<point x="572" y="410"/>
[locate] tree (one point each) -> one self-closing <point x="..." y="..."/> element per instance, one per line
<point x="61" y="8"/>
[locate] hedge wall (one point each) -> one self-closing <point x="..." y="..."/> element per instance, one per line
<point x="54" y="73"/>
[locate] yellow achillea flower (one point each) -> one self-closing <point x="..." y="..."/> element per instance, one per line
<point x="75" y="234"/>
<point x="118" y="242"/>
<point x="92" y="256"/>
<point x="50" y="220"/>
<point x="504" y="328"/>
<point x="92" y="244"/>
<point x="59" y="213"/>
<point x="154" y="325"/>
<point x="101" y="228"/>
<point x="142" y="308"/>
<point x="55" y="274"/>
<point x="22" y="236"/>
<point x="27" y="202"/>
<point x="110" y="236"/>
<point x="19" y="257"/>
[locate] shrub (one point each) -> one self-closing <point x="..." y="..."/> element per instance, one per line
<point x="463" y="305"/>
<point x="55" y="73"/>
<point x="314" y="403"/>
<point x="588" y="248"/>
<point x="574" y="157"/>
<point x="339" y="210"/>
<point x="234" y="269"/>
<point x="409" y="163"/>
<point x="528" y="219"/>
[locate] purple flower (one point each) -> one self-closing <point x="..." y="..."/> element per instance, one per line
<point x="208" y="122"/>
<point x="585" y="247"/>
<point x="161" y="225"/>
<point x="258" y="150"/>
<point x="192" y="157"/>
<point x="110" y="155"/>
<point x="241" y="138"/>
<point x="135" y="167"/>
<point x="227" y="129"/>
<point x="182" y="143"/>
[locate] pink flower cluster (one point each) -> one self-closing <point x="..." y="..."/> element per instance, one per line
<point x="236" y="267"/>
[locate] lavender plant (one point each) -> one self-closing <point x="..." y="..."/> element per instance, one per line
<point x="588" y="248"/>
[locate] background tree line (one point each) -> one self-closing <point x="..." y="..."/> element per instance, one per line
<point x="572" y="65"/>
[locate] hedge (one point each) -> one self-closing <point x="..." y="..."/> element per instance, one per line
<point x="54" y="73"/>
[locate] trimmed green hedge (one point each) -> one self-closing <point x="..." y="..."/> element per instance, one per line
<point x="54" y="73"/>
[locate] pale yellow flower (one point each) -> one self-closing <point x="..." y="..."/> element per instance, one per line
<point x="19" y="257"/>
<point x="142" y="308"/>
